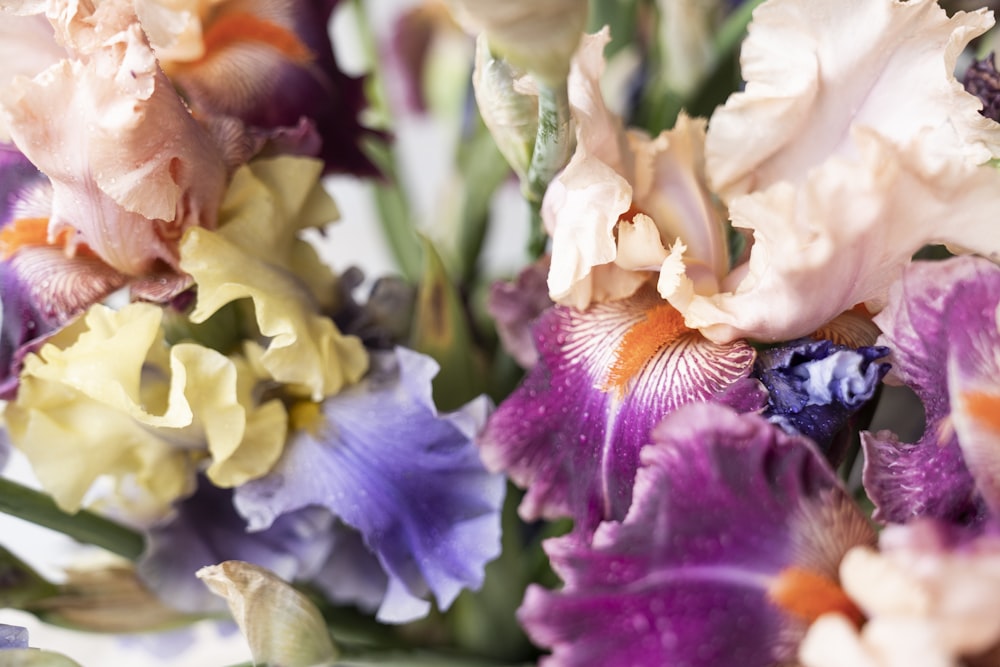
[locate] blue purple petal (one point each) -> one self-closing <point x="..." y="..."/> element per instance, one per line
<point x="206" y="529"/>
<point x="409" y="480"/>
<point x="725" y="504"/>
<point x="571" y="436"/>
<point x="931" y="315"/>
<point x="13" y="636"/>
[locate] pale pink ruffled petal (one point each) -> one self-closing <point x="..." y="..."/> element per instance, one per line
<point x="624" y="198"/>
<point x="130" y="167"/>
<point x="27" y="47"/>
<point x="842" y="238"/>
<point x="817" y="69"/>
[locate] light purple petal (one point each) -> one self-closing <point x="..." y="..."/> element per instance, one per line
<point x="408" y="479"/>
<point x="931" y="315"/>
<point x="206" y="530"/>
<point x="13" y="636"/>
<point x="515" y="305"/>
<point x="571" y="439"/>
<point x="724" y="504"/>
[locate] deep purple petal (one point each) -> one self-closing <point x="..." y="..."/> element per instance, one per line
<point x="815" y="386"/>
<point x="572" y="440"/>
<point x="272" y="90"/>
<point x="206" y="529"/>
<point x="931" y="315"/>
<point x="408" y="479"/>
<point x="724" y="504"/>
<point x="13" y="636"/>
<point x="982" y="80"/>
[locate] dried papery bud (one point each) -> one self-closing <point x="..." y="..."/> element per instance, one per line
<point x="537" y="36"/>
<point x="507" y="106"/>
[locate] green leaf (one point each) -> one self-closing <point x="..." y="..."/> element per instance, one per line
<point x="84" y="526"/>
<point x="442" y="331"/>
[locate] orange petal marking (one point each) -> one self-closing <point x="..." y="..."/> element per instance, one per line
<point x="808" y="595"/>
<point x="662" y="326"/>
<point x="241" y="28"/>
<point x="984" y="408"/>
<point x="28" y="232"/>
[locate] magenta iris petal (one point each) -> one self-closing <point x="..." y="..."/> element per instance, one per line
<point x="22" y="320"/>
<point x="815" y="386"/>
<point x="205" y="529"/>
<point x="934" y="315"/>
<point x="574" y="444"/>
<point x="408" y="479"/>
<point x="724" y="503"/>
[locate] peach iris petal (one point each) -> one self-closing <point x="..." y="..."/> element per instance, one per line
<point x="928" y="604"/>
<point x="845" y="234"/>
<point x="27" y="47"/>
<point x="817" y="69"/>
<point x="624" y="197"/>
<point x="130" y="167"/>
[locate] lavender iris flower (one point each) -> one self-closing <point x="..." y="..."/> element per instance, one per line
<point x="407" y="479"/>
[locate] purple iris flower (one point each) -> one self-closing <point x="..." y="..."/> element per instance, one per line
<point x="272" y="66"/>
<point x="815" y="386"/>
<point x="730" y="549"/>
<point x="940" y="325"/>
<point x="572" y="431"/>
<point x="13" y="636"/>
<point x="407" y="479"/>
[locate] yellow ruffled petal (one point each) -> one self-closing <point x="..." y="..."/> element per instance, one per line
<point x="109" y="397"/>
<point x="79" y="411"/>
<point x="257" y="254"/>
<point x="235" y="461"/>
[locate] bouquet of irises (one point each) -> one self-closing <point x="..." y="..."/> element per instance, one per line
<point x="738" y="403"/>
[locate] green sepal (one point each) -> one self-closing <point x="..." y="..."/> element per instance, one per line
<point x="442" y="331"/>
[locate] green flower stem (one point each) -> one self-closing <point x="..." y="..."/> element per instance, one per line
<point x="660" y="105"/>
<point x="84" y="526"/>
<point x="554" y="144"/>
<point x="731" y="33"/>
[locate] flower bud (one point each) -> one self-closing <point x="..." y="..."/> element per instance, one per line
<point x="506" y="105"/>
<point x="540" y="37"/>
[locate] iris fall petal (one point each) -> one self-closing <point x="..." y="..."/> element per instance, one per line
<point x="728" y="509"/>
<point x="941" y="317"/>
<point x="571" y="433"/>
<point x="408" y="479"/>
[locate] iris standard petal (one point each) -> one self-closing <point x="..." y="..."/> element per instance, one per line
<point x="572" y="431"/>
<point x="382" y="459"/>
<point x="815" y="70"/>
<point x="730" y="548"/>
<point x="131" y="169"/>
<point x="846" y="233"/>
<point x="268" y="204"/>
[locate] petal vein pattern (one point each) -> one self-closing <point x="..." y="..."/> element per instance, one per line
<point x="572" y="431"/>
